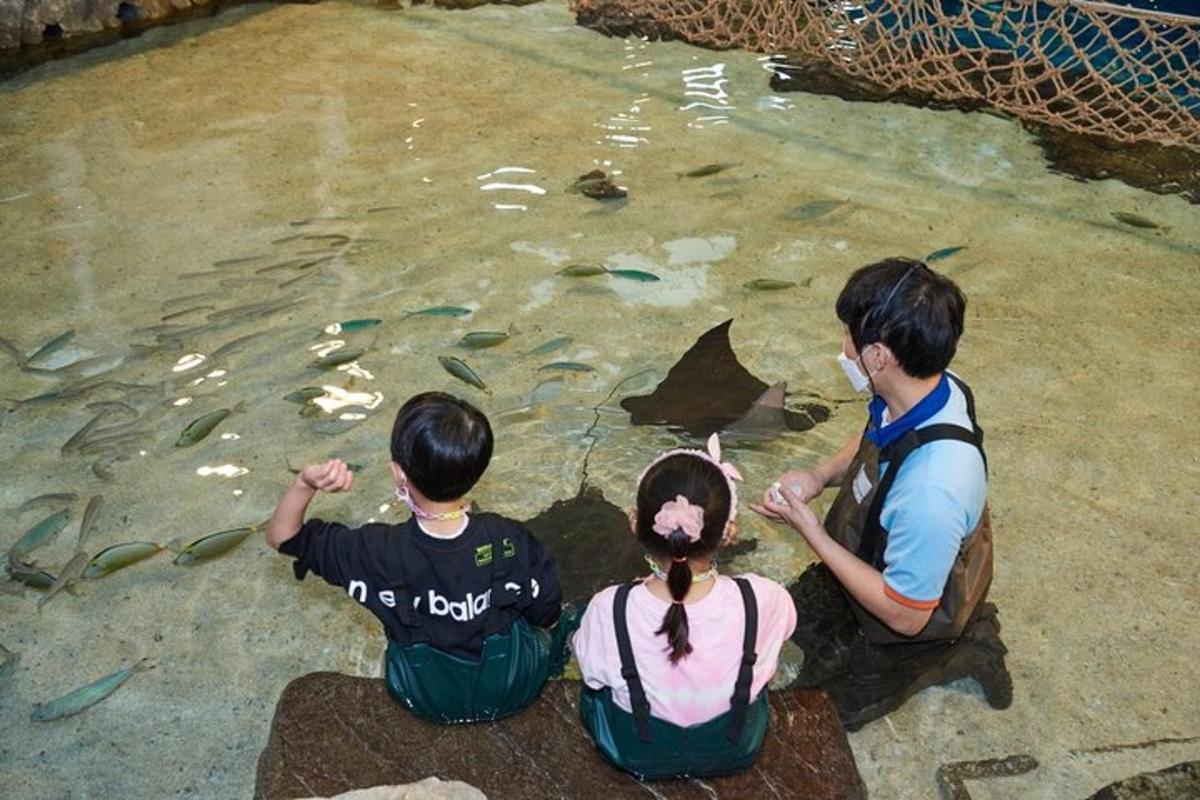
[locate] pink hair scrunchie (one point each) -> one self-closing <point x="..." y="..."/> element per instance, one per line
<point x="679" y="514"/>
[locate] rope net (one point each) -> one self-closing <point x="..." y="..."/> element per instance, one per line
<point x="1089" y="67"/>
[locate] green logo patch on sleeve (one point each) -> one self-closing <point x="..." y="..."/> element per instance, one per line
<point x="510" y="549"/>
<point x="483" y="555"/>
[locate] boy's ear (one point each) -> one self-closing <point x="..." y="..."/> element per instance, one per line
<point x="397" y="474"/>
<point x="632" y="515"/>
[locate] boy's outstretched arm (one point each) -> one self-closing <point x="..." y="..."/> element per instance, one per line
<point x="332" y="476"/>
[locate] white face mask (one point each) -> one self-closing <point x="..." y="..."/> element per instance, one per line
<point x="858" y="379"/>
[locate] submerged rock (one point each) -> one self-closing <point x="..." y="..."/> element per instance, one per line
<point x="332" y="733"/>
<point x="1180" y="782"/>
<point x="593" y="546"/>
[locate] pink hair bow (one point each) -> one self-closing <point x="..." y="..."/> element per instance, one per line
<point x="679" y="514"/>
<point x="730" y="471"/>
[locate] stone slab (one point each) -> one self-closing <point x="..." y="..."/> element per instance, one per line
<point x="333" y="733"/>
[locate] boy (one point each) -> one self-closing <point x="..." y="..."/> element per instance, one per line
<point x="464" y="597"/>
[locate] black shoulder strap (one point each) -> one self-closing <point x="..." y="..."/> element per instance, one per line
<point x="637" y="695"/>
<point x="502" y="597"/>
<point x="873" y="543"/>
<point x="745" y="678"/>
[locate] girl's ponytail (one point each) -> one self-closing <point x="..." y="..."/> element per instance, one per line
<point x="679" y="580"/>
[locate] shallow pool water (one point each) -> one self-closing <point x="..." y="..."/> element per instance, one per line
<point x="356" y="163"/>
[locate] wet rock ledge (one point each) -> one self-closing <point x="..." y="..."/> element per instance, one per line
<point x="36" y="31"/>
<point x="333" y="733"/>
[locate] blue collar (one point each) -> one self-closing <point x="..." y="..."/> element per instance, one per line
<point x="883" y="435"/>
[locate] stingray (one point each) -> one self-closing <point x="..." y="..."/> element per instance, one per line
<point x="709" y="390"/>
<point x="768" y="416"/>
<point x="590" y="540"/>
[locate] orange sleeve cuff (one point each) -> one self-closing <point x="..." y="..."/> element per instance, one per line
<point x="919" y="605"/>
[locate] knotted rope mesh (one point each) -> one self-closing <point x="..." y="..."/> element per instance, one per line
<point x="1089" y="67"/>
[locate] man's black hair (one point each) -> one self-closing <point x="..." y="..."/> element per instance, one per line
<point x="442" y="443"/>
<point x="905" y="305"/>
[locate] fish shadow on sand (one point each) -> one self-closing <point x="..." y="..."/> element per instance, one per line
<point x="708" y="390"/>
<point x="593" y="546"/>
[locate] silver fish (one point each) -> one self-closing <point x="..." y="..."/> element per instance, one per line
<point x="86" y="696"/>
<point x="459" y="369"/>
<point x="69" y="574"/>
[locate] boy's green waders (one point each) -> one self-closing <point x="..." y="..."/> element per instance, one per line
<point x="653" y="748"/>
<point x="446" y="688"/>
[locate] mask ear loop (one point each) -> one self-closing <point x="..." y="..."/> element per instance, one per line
<point x="883" y="307"/>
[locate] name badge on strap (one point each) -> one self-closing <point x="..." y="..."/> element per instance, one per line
<point x="861" y="485"/>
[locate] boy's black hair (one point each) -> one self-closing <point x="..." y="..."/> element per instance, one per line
<point x="703" y="484"/>
<point x="905" y="305"/>
<point x="442" y="443"/>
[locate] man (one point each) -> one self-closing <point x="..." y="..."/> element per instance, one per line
<point x="907" y="538"/>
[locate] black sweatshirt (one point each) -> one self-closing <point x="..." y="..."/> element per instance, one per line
<point x="459" y="590"/>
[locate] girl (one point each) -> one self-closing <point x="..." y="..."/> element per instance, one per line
<point x="674" y="665"/>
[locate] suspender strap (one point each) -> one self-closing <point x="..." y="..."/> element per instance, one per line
<point x="741" y="689"/>
<point x="500" y="608"/>
<point x="970" y="397"/>
<point x="637" y="695"/>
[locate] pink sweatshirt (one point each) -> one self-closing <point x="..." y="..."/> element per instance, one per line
<point x="698" y="687"/>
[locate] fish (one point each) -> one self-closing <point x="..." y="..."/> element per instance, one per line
<point x="381" y="209"/>
<point x="113" y="558"/>
<point x="634" y="275"/>
<point x="813" y="209"/>
<point x="1136" y="220"/>
<point x="479" y="340"/>
<point x="708" y="169"/>
<point x="100" y="444"/>
<point x="68" y="575"/>
<point x="567" y="366"/>
<point x="95" y="503"/>
<point x="51" y="346"/>
<point x="40" y="533"/>
<point x="304" y="395"/>
<point x="13" y="351"/>
<point x="549" y="347"/>
<point x="184" y="313"/>
<point x="945" y="252"/>
<point x="247" y="280"/>
<point x="38" y="579"/>
<point x="8" y="661"/>
<point x="101" y="470"/>
<point x="190" y="299"/>
<point x="334" y="238"/>
<point x="233" y="262"/>
<point x="286" y="239"/>
<point x="351" y="325"/>
<point x="300" y="223"/>
<point x="439" y="311"/>
<point x="459" y="369"/>
<point x="203" y="426"/>
<point x="582" y="270"/>
<point x="58" y="498"/>
<point x="85" y="697"/>
<point x="768" y="284"/>
<point x="231" y="347"/>
<point x="210" y="546"/>
<point x="338" y="357"/>
<point x="81" y="436"/>
<point x="291" y="263"/>
<point x="293" y="281"/>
